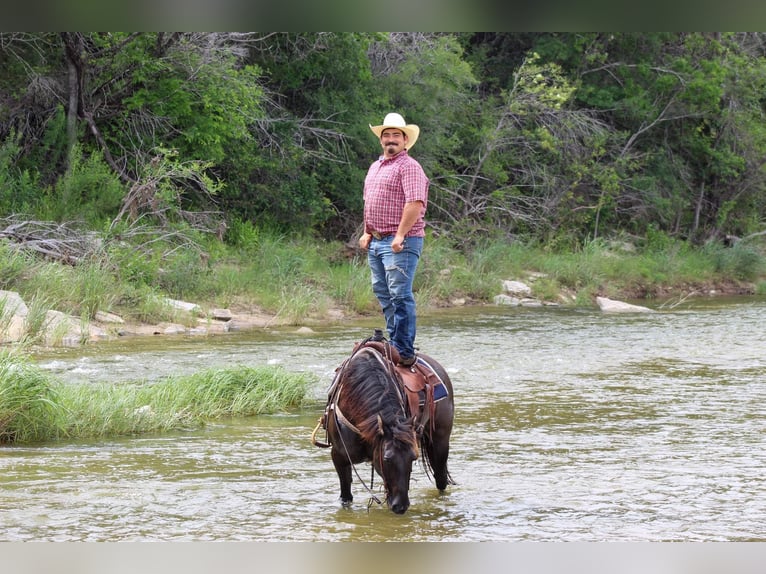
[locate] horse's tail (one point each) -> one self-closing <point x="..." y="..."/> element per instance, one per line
<point x="428" y="463"/>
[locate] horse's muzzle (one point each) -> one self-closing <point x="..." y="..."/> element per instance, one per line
<point x="399" y="505"/>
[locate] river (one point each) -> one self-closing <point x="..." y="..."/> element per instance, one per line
<point x="571" y="425"/>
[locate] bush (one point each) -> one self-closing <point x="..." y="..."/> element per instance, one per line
<point x="89" y="191"/>
<point x="18" y="189"/>
<point x="740" y="262"/>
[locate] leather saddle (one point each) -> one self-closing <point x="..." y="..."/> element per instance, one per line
<point x="422" y="385"/>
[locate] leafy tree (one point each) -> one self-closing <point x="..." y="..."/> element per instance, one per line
<point x="559" y="137"/>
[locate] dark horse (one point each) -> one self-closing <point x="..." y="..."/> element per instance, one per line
<point x="370" y="417"/>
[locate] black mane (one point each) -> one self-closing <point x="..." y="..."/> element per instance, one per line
<point x="370" y="390"/>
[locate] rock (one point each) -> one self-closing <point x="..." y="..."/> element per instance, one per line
<point x="183" y="305"/>
<point x="305" y="331"/>
<point x="11" y="303"/>
<point x="97" y="333"/>
<point x="221" y="314"/>
<point x="174" y="330"/>
<point x="144" y="411"/>
<point x="517" y="288"/>
<point x="611" y="306"/>
<point x="104" y="317"/>
<point x="14" y="331"/>
<point x="68" y="331"/>
<point x="506" y="300"/>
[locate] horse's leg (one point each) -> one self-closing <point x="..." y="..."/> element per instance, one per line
<point x="437" y="450"/>
<point x="436" y="441"/>
<point x="343" y="468"/>
<point x="437" y="446"/>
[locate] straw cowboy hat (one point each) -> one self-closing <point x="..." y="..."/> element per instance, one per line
<point x="397" y="122"/>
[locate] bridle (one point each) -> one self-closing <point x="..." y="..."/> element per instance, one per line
<point x="373" y="497"/>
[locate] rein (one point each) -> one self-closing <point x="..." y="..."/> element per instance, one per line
<point x="373" y="498"/>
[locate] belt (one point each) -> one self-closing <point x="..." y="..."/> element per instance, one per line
<point x="377" y="235"/>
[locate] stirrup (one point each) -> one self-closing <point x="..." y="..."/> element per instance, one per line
<point x="314" y="441"/>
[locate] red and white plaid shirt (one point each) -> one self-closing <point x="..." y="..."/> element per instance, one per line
<point x="390" y="183"/>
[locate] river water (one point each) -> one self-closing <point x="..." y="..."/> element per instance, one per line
<point x="571" y="425"/>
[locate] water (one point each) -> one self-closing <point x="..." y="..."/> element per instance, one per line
<point x="570" y="425"/>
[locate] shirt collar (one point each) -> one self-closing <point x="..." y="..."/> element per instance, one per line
<point x="383" y="158"/>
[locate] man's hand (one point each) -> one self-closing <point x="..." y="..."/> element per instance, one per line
<point x="364" y="241"/>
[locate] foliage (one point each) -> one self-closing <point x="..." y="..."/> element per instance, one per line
<point x="741" y="262"/>
<point x="18" y="188"/>
<point x="562" y="138"/>
<point x="89" y="191"/>
<point x="35" y="408"/>
<point x="14" y="263"/>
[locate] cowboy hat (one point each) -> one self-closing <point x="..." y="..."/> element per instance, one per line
<point x="396" y="121"/>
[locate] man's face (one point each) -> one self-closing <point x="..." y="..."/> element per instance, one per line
<point x="393" y="141"/>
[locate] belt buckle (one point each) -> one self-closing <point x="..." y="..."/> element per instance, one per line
<point x="377" y="235"/>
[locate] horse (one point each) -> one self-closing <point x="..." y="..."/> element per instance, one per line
<point x="374" y="414"/>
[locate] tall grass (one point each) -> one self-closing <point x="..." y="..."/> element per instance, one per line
<point x="34" y="407"/>
<point x="14" y="263"/>
<point x="297" y="278"/>
<point x="29" y="405"/>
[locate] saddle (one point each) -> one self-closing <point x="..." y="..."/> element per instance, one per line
<point x="422" y="386"/>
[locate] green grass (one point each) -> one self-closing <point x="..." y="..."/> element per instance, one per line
<point x="297" y="278"/>
<point x="35" y="408"/>
<point x="29" y="405"/>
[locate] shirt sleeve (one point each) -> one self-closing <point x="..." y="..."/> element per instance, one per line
<point x="415" y="183"/>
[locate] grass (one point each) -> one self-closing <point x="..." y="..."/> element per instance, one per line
<point x="296" y="278"/>
<point x="36" y="408"/>
<point x="29" y="404"/>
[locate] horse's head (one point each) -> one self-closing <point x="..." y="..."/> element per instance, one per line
<point x="393" y="461"/>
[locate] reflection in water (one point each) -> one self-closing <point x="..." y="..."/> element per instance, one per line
<point x="570" y="425"/>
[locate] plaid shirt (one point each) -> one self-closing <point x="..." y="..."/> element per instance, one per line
<point x="390" y="183"/>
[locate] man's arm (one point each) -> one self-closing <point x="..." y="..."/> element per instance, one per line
<point x="410" y="215"/>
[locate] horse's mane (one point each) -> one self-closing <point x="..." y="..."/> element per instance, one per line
<point x="369" y="391"/>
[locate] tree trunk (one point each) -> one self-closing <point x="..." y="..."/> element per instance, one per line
<point x="698" y="209"/>
<point x="73" y="54"/>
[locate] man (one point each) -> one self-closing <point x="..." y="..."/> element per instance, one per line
<point x="395" y="201"/>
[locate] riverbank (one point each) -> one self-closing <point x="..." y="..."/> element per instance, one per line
<point x="244" y="317"/>
<point x="208" y="319"/>
<point x="271" y="281"/>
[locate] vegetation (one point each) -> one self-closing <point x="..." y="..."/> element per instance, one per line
<point x="300" y="279"/>
<point x="557" y="138"/>
<point x="227" y="167"/>
<point x="34" y="408"/>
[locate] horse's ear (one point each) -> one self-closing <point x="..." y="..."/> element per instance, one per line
<point x="380" y="425"/>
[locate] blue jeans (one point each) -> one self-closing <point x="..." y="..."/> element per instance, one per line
<point x="392" y="276"/>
